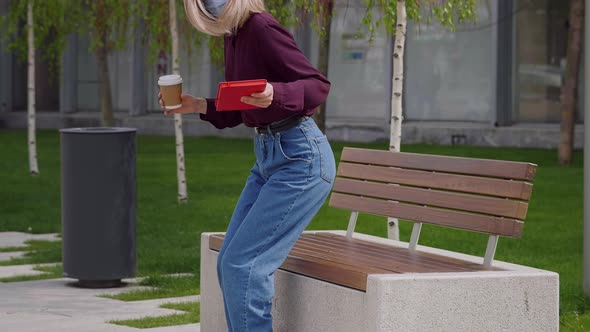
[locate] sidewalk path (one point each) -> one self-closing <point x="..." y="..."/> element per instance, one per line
<point x="55" y="305"/>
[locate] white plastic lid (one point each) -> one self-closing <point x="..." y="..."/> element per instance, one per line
<point x="170" y="80"/>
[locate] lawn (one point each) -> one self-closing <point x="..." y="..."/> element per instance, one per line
<point x="168" y="233"/>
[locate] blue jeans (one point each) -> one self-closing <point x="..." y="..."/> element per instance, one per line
<point x="290" y="181"/>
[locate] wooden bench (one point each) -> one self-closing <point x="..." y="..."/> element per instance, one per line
<point x="485" y="196"/>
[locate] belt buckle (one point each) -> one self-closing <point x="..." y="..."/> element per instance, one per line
<point x="262" y="130"/>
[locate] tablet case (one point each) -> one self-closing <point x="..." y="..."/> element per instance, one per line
<point x="230" y="93"/>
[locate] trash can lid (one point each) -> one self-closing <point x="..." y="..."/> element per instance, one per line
<point x="98" y="130"/>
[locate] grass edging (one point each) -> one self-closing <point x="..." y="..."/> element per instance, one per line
<point x="160" y="287"/>
<point x="191" y="316"/>
<point x="36" y="252"/>
<point x="51" y="272"/>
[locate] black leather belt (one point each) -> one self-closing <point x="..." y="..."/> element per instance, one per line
<point x="281" y="125"/>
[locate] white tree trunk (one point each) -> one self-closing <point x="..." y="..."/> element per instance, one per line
<point x="33" y="167"/>
<point x="396" y="97"/>
<point x="180" y="170"/>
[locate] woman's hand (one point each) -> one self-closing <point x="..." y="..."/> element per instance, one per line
<point x="190" y="104"/>
<point x="262" y="99"/>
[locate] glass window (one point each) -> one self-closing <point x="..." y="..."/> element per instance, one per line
<point x="450" y="76"/>
<point x="541" y="47"/>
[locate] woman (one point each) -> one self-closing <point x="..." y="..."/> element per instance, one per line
<point x="294" y="166"/>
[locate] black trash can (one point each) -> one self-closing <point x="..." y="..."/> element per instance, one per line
<point x="99" y="205"/>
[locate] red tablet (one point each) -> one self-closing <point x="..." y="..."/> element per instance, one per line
<point x="230" y="93"/>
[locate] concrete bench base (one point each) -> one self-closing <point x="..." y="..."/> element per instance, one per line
<point x="519" y="299"/>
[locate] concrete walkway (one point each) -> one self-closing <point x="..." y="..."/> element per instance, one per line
<point x="56" y="305"/>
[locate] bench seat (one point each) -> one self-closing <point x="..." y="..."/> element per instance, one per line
<point x="348" y="262"/>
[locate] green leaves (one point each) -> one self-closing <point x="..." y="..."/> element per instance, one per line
<point x="151" y="19"/>
<point x="448" y="13"/>
<point x="113" y="23"/>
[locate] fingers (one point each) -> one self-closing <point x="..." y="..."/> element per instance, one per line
<point x="182" y="110"/>
<point x="261" y="99"/>
<point x="258" y="102"/>
<point x="263" y="95"/>
<point x="267" y="93"/>
<point x="161" y="101"/>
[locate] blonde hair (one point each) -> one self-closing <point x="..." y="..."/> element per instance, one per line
<point x="234" y="15"/>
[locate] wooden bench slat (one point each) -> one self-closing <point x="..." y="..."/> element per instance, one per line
<point x="389" y="253"/>
<point x="479" y="223"/>
<point x="327" y="271"/>
<point x="398" y="252"/>
<point x="339" y="251"/>
<point x="357" y="259"/>
<point x="481" y="167"/>
<point x="216" y="241"/>
<point x="451" y="182"/>
<point x="316" y="251"/>
<point x="340" y="274"/>
<point x="472" y="203"/>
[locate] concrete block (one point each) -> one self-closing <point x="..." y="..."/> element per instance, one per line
<point x="488" y="301"/>
<point x="212" y="310"/>
<point x="518" y="299"/>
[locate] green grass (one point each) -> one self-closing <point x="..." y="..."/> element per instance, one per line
<point x="51" y="272"/>
<point x="13" y="249"/>
<point x="37" y="252"/>
<point x="190" y="317"/>
<point x="163" y="287"/>
<point x="169" y="233"/>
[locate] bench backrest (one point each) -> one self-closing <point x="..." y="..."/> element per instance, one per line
<point x="488" y="196"/>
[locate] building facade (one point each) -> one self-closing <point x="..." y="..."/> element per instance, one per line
<point x="495" y="82"/>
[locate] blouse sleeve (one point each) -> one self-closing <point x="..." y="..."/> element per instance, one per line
<point x="220" y="120"/>
<point x="309" y="89"/>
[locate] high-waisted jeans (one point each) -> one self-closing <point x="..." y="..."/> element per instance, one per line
<point x="290" y="181"/>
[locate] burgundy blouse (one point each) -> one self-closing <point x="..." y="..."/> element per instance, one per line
<point x="263" y="49"/>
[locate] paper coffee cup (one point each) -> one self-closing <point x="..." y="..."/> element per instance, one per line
<point x="171" y="89"/>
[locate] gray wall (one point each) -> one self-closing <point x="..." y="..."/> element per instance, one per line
<point x="360" y="72"/>
<point x="5" y="70"/>
<point x="119" y="71"/>
<point x="5" y="79"/>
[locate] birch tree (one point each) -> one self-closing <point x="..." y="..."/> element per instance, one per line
<point x="394" y="15"/>
<point x="31" y="123"/>
<point x="180" y="169"/>
<point x="395" y="138"/>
